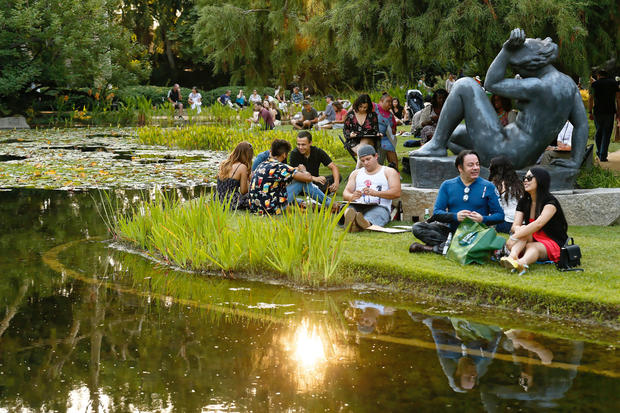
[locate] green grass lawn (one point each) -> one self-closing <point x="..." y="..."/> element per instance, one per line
<point x="595" y="292"/>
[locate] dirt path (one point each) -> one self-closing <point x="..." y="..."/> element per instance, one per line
<point x="613" y="161"/>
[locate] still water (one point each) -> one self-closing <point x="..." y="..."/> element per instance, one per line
<point x="86" y="326"/>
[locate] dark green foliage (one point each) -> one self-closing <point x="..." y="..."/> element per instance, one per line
<point x="340" y="42"/>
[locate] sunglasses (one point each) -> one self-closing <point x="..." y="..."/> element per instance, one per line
<point x="465" y="194"/>
<point x="528" y="178"/>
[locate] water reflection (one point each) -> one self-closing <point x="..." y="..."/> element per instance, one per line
<point x="117" y="333"/>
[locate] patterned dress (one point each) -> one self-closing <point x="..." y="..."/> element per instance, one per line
<point x="268" y="187"/>
<point x="369" y="127"/>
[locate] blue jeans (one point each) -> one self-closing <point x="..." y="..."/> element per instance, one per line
<point x="604" y="126"/>
<point x="295" y="188"/>
<point x="375" y="214"/>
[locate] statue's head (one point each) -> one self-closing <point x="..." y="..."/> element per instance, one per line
<point x="534" y="55"/>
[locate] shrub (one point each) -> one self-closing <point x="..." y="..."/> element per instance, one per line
<point x="156" y="94"/>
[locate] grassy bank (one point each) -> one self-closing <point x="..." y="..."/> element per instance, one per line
<point x="307" y="248"/>
<point x="594" y="293"/>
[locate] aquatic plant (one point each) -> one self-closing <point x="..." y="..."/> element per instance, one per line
<point x="224" y="138"/>
<point x="206" y="235"/>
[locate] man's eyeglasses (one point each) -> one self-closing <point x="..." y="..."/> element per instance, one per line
<point x="528" y="178"/>
<point x="465" y="194"/>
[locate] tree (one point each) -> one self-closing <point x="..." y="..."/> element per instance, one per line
<point x="331" y="42"/>
<point x="63" y="44"/>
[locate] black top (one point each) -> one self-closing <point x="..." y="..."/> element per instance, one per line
<point x="556" y="227"/>
<point x="313" y="162"/>
<point x="605" y="96"/>
<point x="174" y="95"/>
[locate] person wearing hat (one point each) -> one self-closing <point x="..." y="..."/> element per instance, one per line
<point x="309" y="116"/>
<point x="329" y="115"/>
<point x="370" y="189"/>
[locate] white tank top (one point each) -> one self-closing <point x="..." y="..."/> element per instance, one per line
<point x="377" y="181"/>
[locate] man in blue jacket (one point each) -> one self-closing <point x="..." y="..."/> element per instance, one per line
<point x="466" y="196"/>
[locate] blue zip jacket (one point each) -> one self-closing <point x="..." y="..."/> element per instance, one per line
<point x="483" y="198"/>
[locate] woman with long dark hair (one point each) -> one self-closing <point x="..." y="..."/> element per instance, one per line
<point x="361" y="126"/>
<point x="539" y="227"/>
<point x="234" y="176"/>
<point x="510" y="187"/>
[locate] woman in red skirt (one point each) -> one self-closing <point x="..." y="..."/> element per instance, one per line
<point x="539" y="228"/>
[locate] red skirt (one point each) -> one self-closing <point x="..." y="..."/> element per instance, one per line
<point x="553" y="249"/>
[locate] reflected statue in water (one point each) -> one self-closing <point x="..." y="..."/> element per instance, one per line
<point x="545" y="97"/>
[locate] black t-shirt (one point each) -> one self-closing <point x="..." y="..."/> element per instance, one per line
<point x="605" y="96"/>
<point x="313" y="162"/>
<point x="555" y="228"/>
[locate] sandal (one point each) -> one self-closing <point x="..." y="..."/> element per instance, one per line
<point x="509" y="263"/>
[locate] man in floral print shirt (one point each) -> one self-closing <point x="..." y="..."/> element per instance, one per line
<point x="268" y="184"/>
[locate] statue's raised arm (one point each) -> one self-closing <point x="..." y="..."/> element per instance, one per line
<point x="546" y="99"/>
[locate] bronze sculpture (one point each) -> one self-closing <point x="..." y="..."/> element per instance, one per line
<point x="545" y="97"/>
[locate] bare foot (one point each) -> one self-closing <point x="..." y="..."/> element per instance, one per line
<point x="429" y="150"/>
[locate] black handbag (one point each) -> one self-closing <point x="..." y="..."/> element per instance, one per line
<point x="570" y="257"/>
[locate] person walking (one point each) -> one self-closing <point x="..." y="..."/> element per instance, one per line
<point x="604" y="103"/>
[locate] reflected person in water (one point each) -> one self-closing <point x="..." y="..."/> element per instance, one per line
<point x="465" y="349"/>
<point x="536" y="385"/>
<point x="545" y="97"/>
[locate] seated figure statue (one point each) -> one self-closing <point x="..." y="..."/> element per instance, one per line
<point x="545" y="97"/>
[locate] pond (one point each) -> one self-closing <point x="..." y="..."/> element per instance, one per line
<point x="88" y="326"/>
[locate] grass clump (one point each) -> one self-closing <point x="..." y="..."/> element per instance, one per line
<point x="221" y="138"/>
<point x="206" y="235"/>
<point x="597" y="177"/>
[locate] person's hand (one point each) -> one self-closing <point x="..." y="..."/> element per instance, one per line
<point x="474" y="216"/>
<point x="461" y="215"/>
<point x="353" y="134"/>
<point x="333" y="187"/>
<point x="301" y="167"/>
<point x="519" y="232"/>
<point x="516" y="39"/>
<point x="369" y="191"/>
<point x="319" y="179"/>
<point x="356" y="195"/>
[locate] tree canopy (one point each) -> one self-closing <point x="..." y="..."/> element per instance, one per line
<point x="324" y="43"/>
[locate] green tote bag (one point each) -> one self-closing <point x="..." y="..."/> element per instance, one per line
<point x="473" y="243"/>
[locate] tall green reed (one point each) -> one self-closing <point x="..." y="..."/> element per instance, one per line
<point x="206" y="235"/>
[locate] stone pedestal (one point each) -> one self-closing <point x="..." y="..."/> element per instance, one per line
<point x="430" y="172"/>
<point x="600" y="207"/>
<point x="14" y="122"/>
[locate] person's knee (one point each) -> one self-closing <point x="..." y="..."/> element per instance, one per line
<point x="464" y="83"/>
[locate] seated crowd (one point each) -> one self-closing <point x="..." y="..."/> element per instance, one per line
<point x="524" y="209"/>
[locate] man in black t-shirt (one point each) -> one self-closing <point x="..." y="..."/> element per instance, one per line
<point x="306" y="157"/>
<point x="175" y="98"/>
<point x="604" y="103"/>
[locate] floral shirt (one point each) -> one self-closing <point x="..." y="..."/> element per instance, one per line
<point x="268" y="187"/>
<point x="369" y="127"/>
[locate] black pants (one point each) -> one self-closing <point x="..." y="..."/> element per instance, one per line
<point x="434" y="234"/>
